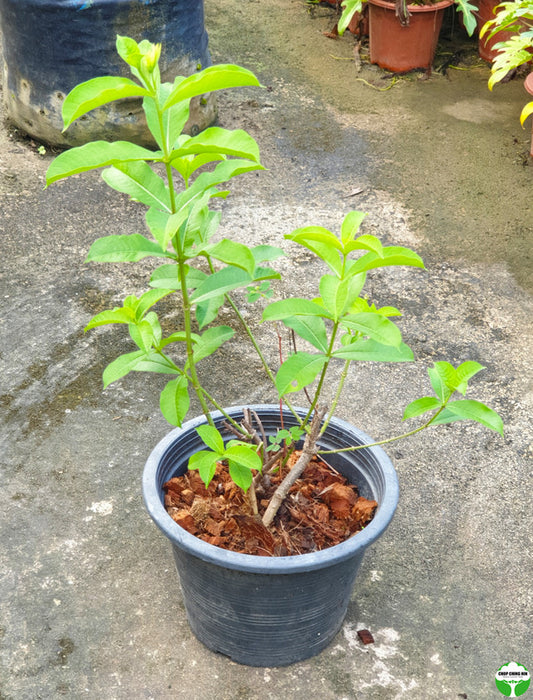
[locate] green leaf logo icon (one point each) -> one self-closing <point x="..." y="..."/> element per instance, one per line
<point x="512" y="679"/>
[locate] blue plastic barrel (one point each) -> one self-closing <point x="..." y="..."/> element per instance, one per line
<point x="49" y="46"/>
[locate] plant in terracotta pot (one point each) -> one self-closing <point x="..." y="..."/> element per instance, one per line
<point x="512" y="29"/>
<point x="269" y="508"/>
<point x="404" y="36"/>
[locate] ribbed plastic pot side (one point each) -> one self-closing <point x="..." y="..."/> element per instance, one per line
<point x="269" y="611"/>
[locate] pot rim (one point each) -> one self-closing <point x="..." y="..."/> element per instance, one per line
<point x="273" y="565"/>
<point x="413" y="9"/>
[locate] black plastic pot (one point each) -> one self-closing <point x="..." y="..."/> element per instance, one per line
<point x="50" y="46"/>
<point x="269" y="611"/>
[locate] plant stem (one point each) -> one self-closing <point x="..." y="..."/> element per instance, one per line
<point x="340" y="386"/>
<point x="308" y="450"/>
<point x="354" y="448"/>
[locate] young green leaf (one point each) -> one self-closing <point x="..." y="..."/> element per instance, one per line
<point x="370" y="350"/>
<point x="207" y="311"/>
<point x="375" y="326"/>
<point x="217" y="77"/>
<point x="210" y="341"/>
<point x="298" y="370"/>
<point x="96" y="154"/>
<point x="206" y="463"/>
<point x="421" y="406"/>
<point x="212" y="438"/>
<point x="116" y="315"/>
<point x="444" y="380"/>
<point x="142" y="335"/>
<point x="391" y="256"/>
<point x="233" y="253"/>
<point x="465" y="372"/>
<point x="237" y="143"/>
<point x="174" y="401"/>
<point x="148" y="299"/>
<point x="285" y="308"/>
<point x="122" y="366"/>
<point x="322" y="243"/>
<point x="95" y="93"/>
<point x="470" y="409"/>
<point x="350" y="226"/>
<point x="366" y="242"/>
<point x="140" y="182"/>
<point x="335" y="294"/>
<point x="310" y="328"/>
<point x="225" y="280"/>
<point x="125" y="248"/>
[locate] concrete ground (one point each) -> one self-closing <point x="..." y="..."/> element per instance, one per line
<point x="90" y="601"/>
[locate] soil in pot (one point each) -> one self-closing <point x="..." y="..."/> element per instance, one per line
<point x="321" y="510"/>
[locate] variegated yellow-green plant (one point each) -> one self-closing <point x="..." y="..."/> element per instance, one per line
<point x="175" y="182"/>
<point x="516" y="50"/>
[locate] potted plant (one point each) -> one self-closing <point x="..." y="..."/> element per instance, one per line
<point x="510" y="32"/>
<point x="75" y="41"/>
<point x="404" y="36"/>
<point x="228" y="486"/>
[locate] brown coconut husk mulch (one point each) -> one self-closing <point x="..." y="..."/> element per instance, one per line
<point x="321" y="510"/>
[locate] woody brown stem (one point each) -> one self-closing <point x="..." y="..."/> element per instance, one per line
<point x="308" y="450"/>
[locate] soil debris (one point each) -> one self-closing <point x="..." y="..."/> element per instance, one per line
<point x="321" y="510"/>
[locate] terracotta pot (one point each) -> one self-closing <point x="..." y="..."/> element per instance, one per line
<point x="485" y="46"/>
<point x="401" y="49"/>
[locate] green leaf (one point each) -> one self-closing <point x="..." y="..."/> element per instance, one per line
<point x="166" y="277"/>
<point x="217" y="77"/>
<point x="174" y="401"/>
<point x="444" y="379"/>
<point x="241" y="475"/>
<point x="122" y="366"/>
<point x="350" y="7"/>
<point x="146" y="333"/>
<point x="322" y="243"/>
<point x="310" y="328"/>
<point x="221" y="282"/>
<point x="370" y="350"/>
<point x="285" y="308"/>
<point x="335" y="294"/>
<point x="374" y="326"/>
<point x="366" y="242"/>
<point x="266" y="253"/>
<point x="210" y="341"/>
<point x="148" y="299"/>
<point x="212" y="438"/>
<point x="140" y="182"/>
<point x="117" y="315"/>
<point x="420" y="406"/>
<point x="125" y="248"/>
<point x="350" y="225"/>
<point x="95" y="93"/>
<point x="468" y="409"/>
<point x="391" y="256"/>
<point x="237" y="143"/>
<point x="96" y="154"/>
<point x="468" y="12"/>
<point x="207" y="311"/>
<point x="155" y="362"/>
<point x="465" y="372"/>
<point x="174" y="118"/>
<point x="245" y="455"/>
<point x="233" y="253"/>
<point x="298" y="371"/>
<point x="206" y="463"/>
